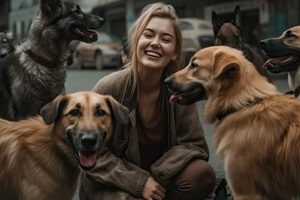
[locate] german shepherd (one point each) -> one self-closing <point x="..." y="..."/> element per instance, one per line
<point x="258" y="132"/>
<point x="35" y="73"/>
<point x="230" y="34"/>
<point x="284" y="53"/>
<point x="6" y="44"/>
<point x="40" y="155"/>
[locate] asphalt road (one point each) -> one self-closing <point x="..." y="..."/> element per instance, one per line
<point x="79" y="80"/>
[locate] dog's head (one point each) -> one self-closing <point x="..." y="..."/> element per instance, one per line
<point x="222" y="76"/>
<point x="228" y="33"/>
<point x="65" y="21"/>
<point x="86" y="121"/>
<point x="6" y="45"/>
<point x="284" y="51"/>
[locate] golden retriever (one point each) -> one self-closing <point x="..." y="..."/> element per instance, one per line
<point x="40" y="156"/>
<point x="258" y="132"/>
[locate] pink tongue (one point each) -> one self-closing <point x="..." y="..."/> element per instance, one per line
<point x="87" y="161"/>
<point x="173" y="98"/>
<point x="92" y="35"/>
<point x="273" y="61"/>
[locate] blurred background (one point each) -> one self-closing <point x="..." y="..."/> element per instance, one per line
<point x="260" y="19"/>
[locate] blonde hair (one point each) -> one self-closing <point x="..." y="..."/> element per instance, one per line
<point x="162" y="10"/>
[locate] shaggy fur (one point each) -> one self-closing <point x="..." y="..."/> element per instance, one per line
<point x="258" y="130"/>
<point x="40" y="156"/>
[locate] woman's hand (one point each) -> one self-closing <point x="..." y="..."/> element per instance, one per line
<point x="153" y="190"/>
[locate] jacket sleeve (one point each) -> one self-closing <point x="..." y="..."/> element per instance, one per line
<point x="189" y="144"/>
<point x="111" y="169"/>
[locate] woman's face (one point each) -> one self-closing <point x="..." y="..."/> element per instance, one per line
<point x="156" y="46"/>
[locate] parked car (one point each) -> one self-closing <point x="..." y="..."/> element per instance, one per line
<point x="196" y="34"/>
<point x="106" y="52"/>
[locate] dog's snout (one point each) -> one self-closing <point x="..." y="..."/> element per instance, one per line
<point x="168" y="81"/>
<point x="89" y="140"/>
<point x="263" y="44"/>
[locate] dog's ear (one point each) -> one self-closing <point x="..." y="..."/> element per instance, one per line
<point x="119" y="111"/>
<point x="49" y="6"/>
<point x="226" y="67"/>
<point x="216" y="22"/>
<point x="53" y="110"/>
<point x="237" y="21"/>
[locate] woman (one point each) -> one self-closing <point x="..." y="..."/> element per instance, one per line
<point x="161" y="153"/>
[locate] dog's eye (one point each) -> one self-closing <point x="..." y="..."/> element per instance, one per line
<point x="100" y="112"/>
<point x="74" y="112"/>
<point x="193" y="65"/>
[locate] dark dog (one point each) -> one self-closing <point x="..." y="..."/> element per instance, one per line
<point x="35" y="73"/>
<point x="230" y="34"/>
<point x="284" y="52"/>
<point x="6" y="44"/>
<point x="40" y="155"/>
<point x="258" y="130"/>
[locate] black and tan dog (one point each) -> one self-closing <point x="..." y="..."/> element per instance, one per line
<point x="284" y="53"/>
<point x="40" y="155"/>
<point x="35" y="73"/>
<point x="258" y="130"/>
<point x="230" y="34"/>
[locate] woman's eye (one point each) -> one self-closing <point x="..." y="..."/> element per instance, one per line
<point x="74" y="112"/>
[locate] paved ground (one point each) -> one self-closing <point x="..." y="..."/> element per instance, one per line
<point x="86" y="79"/>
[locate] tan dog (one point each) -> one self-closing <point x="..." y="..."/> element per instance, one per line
<point x="39" y="161"/>
<point x="284" y="53"/>
<point x="258" y="133"/>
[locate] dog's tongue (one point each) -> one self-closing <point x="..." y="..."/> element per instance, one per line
<point x="91" y="35"/>
<point x="174" y="98"/>
<point x="273" y="61"/>
<point x="87" y="160"/>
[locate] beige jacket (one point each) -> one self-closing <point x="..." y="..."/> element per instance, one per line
<point x="118" y="168"/>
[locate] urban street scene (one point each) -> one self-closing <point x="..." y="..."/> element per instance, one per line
<point x="144" y="99"/>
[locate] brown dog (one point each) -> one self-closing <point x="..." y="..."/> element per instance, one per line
<point x="258" y="132"/>
<point x="230" y="34"/>
<point x="284" y="53"/>
<point x="40" y="156"/>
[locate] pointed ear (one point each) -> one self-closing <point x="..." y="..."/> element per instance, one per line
<point x="53" y="110"/>
<point x="216" y="22"/>
<point x="119" y="111"/>
<point x="49" y="6"/>
<point x="237" y="21"/>
<point x="226" y="67"/>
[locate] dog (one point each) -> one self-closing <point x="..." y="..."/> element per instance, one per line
<point x="284" y="53"/>
<point x="35" y="73"/>
<point x="40" y="155"/>
<point x="230" y="34"/>
<point x="6" y="44"/>
<point x="258" y="130"/>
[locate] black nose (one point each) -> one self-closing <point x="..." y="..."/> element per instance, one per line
<point x="89" y="140"/>
<point x="263" y="44"/>
<point x="168" y="81"/>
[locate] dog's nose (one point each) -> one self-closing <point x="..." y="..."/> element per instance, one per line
<point x="263" y="44"/>
<point x="89" y="140"/>
<point x="168" y="81"/>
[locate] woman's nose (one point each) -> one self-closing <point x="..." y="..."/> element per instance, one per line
<point x="155" y="42"/>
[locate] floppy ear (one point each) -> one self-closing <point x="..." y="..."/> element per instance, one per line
<point x="119" y="111"/>
<point x="216" y="22"/>
<point x="226" y="67"/>
<point x="53" y="110"/>
<point x="237" y="21"/>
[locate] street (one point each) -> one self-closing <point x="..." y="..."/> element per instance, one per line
<point x="78" y="80"/>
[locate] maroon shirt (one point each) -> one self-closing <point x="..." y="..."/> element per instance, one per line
<point x="152" y="136"/>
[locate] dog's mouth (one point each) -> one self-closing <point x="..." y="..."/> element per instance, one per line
<point x="87" y="159"/>
<point x="85" y="34"/>
<point x="282" y="64"/>
<point x="188" y="96"/>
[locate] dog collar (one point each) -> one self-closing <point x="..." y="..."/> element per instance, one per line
<point x="41" y="60"/>
<point x="221" y="115"/>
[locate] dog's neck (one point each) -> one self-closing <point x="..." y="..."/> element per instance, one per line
<point x="222" y="114"/>
<point x="294" y="82"/>
<point x="40" y="60"/>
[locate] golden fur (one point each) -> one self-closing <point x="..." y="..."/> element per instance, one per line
<point x="39" y="161"/>
<point x="258" y="132"/>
